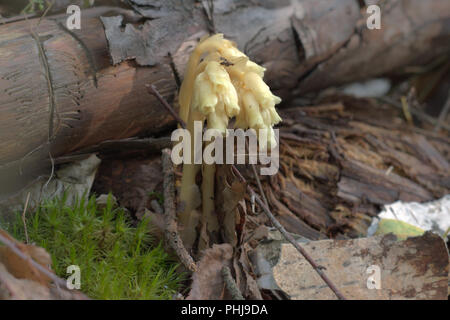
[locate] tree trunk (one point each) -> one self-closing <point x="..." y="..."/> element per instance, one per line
<point x="60" y="93"/>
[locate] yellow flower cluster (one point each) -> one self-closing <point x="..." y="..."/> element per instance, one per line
<point x="227" y="84"/>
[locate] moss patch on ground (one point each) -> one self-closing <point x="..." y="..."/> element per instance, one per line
<point x="117" y="260"/>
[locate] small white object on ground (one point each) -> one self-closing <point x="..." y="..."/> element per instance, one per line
<point x="430" y="216"/>
<point x="370" y="88"/>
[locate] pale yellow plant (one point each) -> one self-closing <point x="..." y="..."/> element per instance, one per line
<point x="220" y="83"/>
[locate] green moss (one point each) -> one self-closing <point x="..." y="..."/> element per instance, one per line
<point x="117" y="261"/>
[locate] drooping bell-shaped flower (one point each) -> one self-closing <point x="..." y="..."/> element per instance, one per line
<point x="258" y="109"/>
<point x="215" y="96"/>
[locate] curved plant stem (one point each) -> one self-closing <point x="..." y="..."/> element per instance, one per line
<point x="171" y="229"/>
<point x="187" y="86"/>
<point x="189" y="192"/>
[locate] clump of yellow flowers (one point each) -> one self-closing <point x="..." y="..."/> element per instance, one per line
<point x="220" y="83"/>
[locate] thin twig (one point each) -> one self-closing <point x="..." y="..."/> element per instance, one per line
<point x="260" y="188"/>
<point x="16" y="18"/>
<point x="52" y="103"/>
<point x="288" y="237"/>
<point x="24" y="219"/>
<point x="258" y="180"/>
<point x="171" y="229"/>
<point x="231" y="284"/>
<point x="291" y="239"/>
<point x="208" y="8"/>
<point x="46" y="11"/>
<point x="269" y="214"/>
<point x="52" y="172"/>
<point x="153" y="91"/>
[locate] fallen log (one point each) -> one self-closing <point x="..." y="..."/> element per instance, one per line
<point x="60" y="93"/>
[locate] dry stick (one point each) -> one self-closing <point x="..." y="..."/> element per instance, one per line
<point x="263" y="195"/>
<point x="16" y="18"/>
<point x="269" y="214"/>
<point x="171" y="229"/>
<point x="24" y="219"/>
<point x="44" y="61"/>
<point x="153" y="91"/>
<point x="260" y="188"/>
<point x="209" y="12"/>
<point x="45" y="12"/>
<point x="231" y="284"/>
<point x="258" y="181"/>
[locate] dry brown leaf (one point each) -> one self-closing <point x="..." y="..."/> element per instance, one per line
<point x="21" y="268"/>
<point x="12" y="288"/>
<point x="21" y="280"/>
